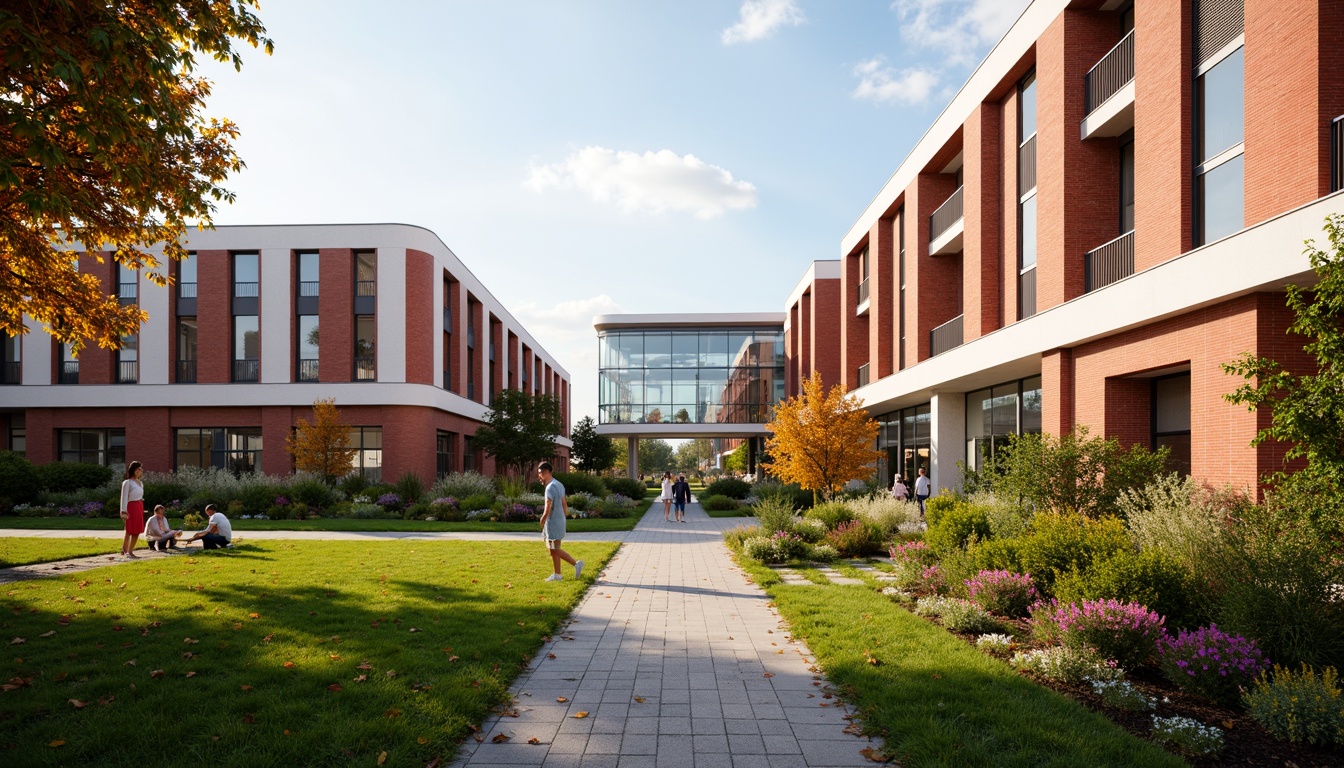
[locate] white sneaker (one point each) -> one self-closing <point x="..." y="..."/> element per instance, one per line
<point x="578" y="569"/>
<point x="553" y="577"/>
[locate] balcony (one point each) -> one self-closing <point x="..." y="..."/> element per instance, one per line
<point x="246" y="370"/>
<point x="1110" y="262"/>
<point x="69" y="372"/>
<point x="946" y="226"/>
<point x="1026" y="293"/>
<point x="1108" y="91"/>
<point x="947" y="336"/>
<point x="186" y="371"/>
<point x="863" y="296"/>
<point x="245" y="290"/>
<point x="366" y="369"/>
<point x="186" y="290"/>
<point x="128" y="371"/>
<point x="309" y="288"/>
<point x="11" y="372"/>
<point x="307" y="370"/>
<point x="366" y="288"/>
<point x="863" y="375"/>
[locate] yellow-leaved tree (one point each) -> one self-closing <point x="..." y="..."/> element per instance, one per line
<point x="821" y="440"/>
<point x="322" y="447"/>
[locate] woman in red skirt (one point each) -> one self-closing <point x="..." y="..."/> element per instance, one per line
<point x="132" y="508"/>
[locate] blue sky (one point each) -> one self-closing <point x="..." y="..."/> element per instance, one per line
<point x="585" y="157"/>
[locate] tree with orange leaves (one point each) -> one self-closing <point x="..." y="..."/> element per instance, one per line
<point x="821" y="440"/>
<point x="322" y="447"/>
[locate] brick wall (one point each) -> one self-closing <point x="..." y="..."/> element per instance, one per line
<point x="1057" y="391"/>
<point x="1009" y="256"/>
<point x="933" y="283"/>
<point x="96" y="364"/>
<point x="420" y="305"/>
<point x="882" y="306"/>
<point x="214" y="317"/>
<point x="853" y="326"/>
<point x="1163" y="87"/>
<point x="825" y="331"/>
<point x="983" y="201"/>
<point x="336" y="315"/>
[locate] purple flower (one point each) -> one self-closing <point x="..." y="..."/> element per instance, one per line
<point x="389" y="500"/>
<point x="281" y="501"/>
<point x="1211" y="662"/>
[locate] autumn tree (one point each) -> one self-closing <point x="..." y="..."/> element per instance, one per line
<point x="591" y="452"/>
<point x="322" y="447"/>
<point x="104" y="146"/>
<point x="520" y="430"/>
<point x="821" y="440"/>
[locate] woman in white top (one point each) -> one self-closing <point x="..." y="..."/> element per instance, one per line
<point x="666" y="496"/>
<point x="132" y="508"/>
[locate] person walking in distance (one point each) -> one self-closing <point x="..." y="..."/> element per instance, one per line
<point x="899" y="491"/>
<point x="553" y="522"/>
<point x="132" y="508"/>
<point x="666" y="495"/>
<point x="923" y="488"/>
<point x="681" y="493"/>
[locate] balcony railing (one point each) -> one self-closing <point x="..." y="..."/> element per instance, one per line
<point x="128" y="291"/>
<point x="11" y="372"/>
<point x="128" y="371"/>
<point x="366" y="369"/>
<point x="309" y="287"/>
<point x="949" y="213"/>
<point x="245" y="290"/>
<point x="69" y="371"/>
<point x="1110" y="74"/>
<point x="947" y="336"/>
<point x="863" y="290"/>
<point x="186" y="371"/>
<point x="246" y="370"/>
<point x="366" y="288"/>
<point x="186" y="290"/>
<point x="1110" y="262"/>
<point x="1337" y="154"/>
<point x="1026" y="166"/>
<point x="307" y="370"/>
<point x="447" y="320"/>
<point x="863" y="375"/>
<point x="1026" y="293"/>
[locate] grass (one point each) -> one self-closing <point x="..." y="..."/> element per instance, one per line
<point x="936" y="700"/>
<point x="587" y="525"/>
<point x="26" y="551"/>
<point x="276" y="653"/>
<point x="727" y="513"/>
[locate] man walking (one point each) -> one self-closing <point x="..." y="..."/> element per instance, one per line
<point x="553" y="522"/>
<point x="923" y="488"/>
<point x="681" y="493"/>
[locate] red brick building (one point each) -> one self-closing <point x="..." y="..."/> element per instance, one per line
<point x="1106" y="212"/>
<point x="261" y="322"/>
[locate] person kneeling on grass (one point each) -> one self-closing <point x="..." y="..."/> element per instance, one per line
<point x="218" y="533"/>
<point x="553" y="522"/>
<point x="157" y="532"/>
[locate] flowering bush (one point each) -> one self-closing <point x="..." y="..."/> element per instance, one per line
<point x="788" y="546"/>
<point x="1003" y="592"/>
<point x="966" y="616"/>
<point x="759" y="548"/>
<point x="1067" y="665"/>
<point x="281" y="501"/>
<point x="995" y="643"/>
<point x="1122" y="695"/>
<point x="811" y="531"/>
<point x="1125" y="632"/>
<point x="932" y="580"/>
<point x="1299" y="707"/>
<point x="823" y="553"/>
<point x="517" y="513"/>
<point x="898" y="595"/>
<point x="389" y="500"/>
<point x="930" y="606"/>
<point x="913" y="552"/>
<point x="855" y="538"/>
<point x="615" y="505"/>
<point x="1187" y="736"/>
<point x="1211" y="662"/>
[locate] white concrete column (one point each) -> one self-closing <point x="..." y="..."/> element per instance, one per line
<point x="276" y="306"/>
<point x="35" y="354"/>
<point x="155" y="333"/>
<point x="947" y="445"/>
<point x="391" y="316"/>
<point x="632" y="457"/>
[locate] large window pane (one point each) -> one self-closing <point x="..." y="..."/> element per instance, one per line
<point x="1031" y="405"/>
<point x="713" y="349"/>
<point x="1222" y="110"/>
<point x="1171" y="404"/>
<point x="632" y="350"/>
<point x="1126" y="187"/>
<point x="246" y="269"/>
<point x="1027" y="109"/>
<point x="657" y="350"/>
<point x="186" y="269"/>
<point x="308" y="337"/>
<point x="246" y="337"/>
<point x="308" y="267"/>
<point x="1028" y="230"/>
<point x="685" y="350"/>
<point x="186" y="338"/>
<point x="1222" y="200"/>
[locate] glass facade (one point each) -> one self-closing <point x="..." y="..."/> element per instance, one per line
<point x="711" y="376"/>
<point x="92" y="446"/>
<point x="237" y="449"/>
<point x="996" y="413"/>
<point x="905" y="439"/>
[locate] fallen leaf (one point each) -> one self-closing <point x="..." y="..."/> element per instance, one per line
<point x="361" y="678"/>
<point x="391" y="673"/>
<point x="640" y="699"/>
<point x="57" y="743"/>
<point x="188" y="655"/>
<point x="48" y="634"/>
<point x="874" y="756"/>
<point x="21" y="641"/>
<point x="156" y="673"/>
<point x="392" y="713"/>
<point x="560" y="699"/>
<point x="190" y="641"/>
<point x="77" y="704"/>
<point x="452" y="658"/>
<point x="131" y="663"/>
<point x="247" y="687"/>
<point x="500" y="738"/>
<point x="768" y="674"/>
<point x="267" y="638"/>
<point x="414" y="629"/>
<point x="422" y="740"/>
<point x="1228" y="724"/>
<point x="534" y="740"/>
<point x="334" y="656"/>
<point x="249" y="719"/>
<point x="550" y="655"/>
<point x="254" y="615"/>
<point x="190" y="674"/>
<point x="382" y="758"/>
<point x="580" y="715"/>
<point x="290" y="665"/>
<point x="365" y="665"/>
<point x="286" y="731"/>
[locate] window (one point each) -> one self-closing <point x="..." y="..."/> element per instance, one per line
<point x="366" y="271"/>
<point x="18" y="433"/>
<point x="1171" y="420"/>
<point x="863" y="276"/>
<point x="246" y="348"/>
<point x="904" y="437"/>
<point x="128" y="360"/>
<point x="1127" y="183"/>
<point x="900" y="312"/>
<point x="309" y="279"/>
<point x="444" y="451"/>
<point x="307" y="346"/>
<point x="92" y="446"/>
<point x="1026" y="108"/>
<point x="246" y="275"/>
<point x="1220" y="129"/>
<point x="1026" y="209"/>
<point x="366" y="361"/>
<point x="128" y="283"/>
<point x="995" y="414"/>
<point x="237" y="449"/>
<point x="1027" y="233"/>
<point x="186" y="276"/>
<point x="471" y="456"/>
<point x="69" y="365"/>
<point x="368" y="445"/>
<point x="186" y="350"/>
<point x="13" y="367"/>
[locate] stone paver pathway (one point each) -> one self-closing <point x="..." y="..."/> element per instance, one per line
<point x="677" y="661"/>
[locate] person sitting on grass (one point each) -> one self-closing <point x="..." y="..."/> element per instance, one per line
<point x="158" y="533"/>
<point x="218" y="533"/>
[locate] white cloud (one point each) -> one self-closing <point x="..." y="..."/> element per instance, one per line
<point x="879" y="82"/>
<point x="758" y="19"/>
<point x="654" y="182"/>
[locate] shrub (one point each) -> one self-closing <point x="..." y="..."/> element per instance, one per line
<point x="789" y="547"/>
<point x="616" y="505"/>
<point x="257" y="498"/>
<point x="823" y="553"/>
<point x="390" y="501"/>
<point x="1063" y="664"/>
<point x="409" y="487"/>
<point x="193" y="520"/>
<point x="996" y="555"/>
<point x="936" y="506"/>
<point x="1299" y="707"/>
<point x="996" y="644"/>
<point x="966" y="616"/>
<point x="1122" y="695"/>
<point x="1003" y="592"/>
<point x="1006" y="519"/>
<point x="626" y="486"/>
<point x="1189" y="737"/>
<point x="576" y="482"/>
<point x="447" y="508"/>
<point x="353" y="485"/>
<point x="1125" y="632"/>
<point x="957" y="526"/>
<point x="163" y="493"/>
<point x="730" y="487"/>
<point x="1211" y="662"/>
<point x="888" y="514"/>
<point x="511" y="511"/>
<point x="1059" y="543"/>
<point x="363" y="512"/>
<point x="477" y="501"/>
<point x="718" y="503"/>
<point x="855" y="538"/>
<point x="72" y="476"/>
<point x="1151" y="578"/>
<point x="735" y="537"/>
<point x="463" y="485"/>
<point x="314" y="493"/>
<point x="775" y="515"/>
<point x="930" y="606"/>
<point x="811" y="531"/>
<point x="832" y="514"/>
<point x="913" y="552"/>
<point x="792" y="493"/>
<point x="759" y="548"/>
<point x="18" y="479"/>
<point x="417" y="511"/>
<point x="580" y="500"/>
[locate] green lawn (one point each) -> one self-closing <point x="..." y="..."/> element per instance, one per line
<point x="727" y="513"/>
<point x="276" y="653"/>
<point x="936" y="700"/>
<point x="26" y="551"/>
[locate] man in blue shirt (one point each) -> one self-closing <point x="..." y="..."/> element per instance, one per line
<point x="553" y="522"/>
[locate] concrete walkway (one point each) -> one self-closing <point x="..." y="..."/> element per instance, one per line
<point x="671" y="659"/>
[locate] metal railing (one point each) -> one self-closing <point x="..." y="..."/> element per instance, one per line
<point x="949" y="213"/>
<point x="447" y="320"/>
<point x="128" y="371"/>
<point x="366" y="288"/>
<point x="128" y="291"/>
<point x="11" y="372"/>
<point x="186" y="290"/>
<point x="309" y="287"/>
<point x="246" y="370"/>
<point x="1026" y="166"/>
<point x="186" y="371"/>
<point x="1109" y="75"/>
<point x="863" y="290"/>
<point x="1337" y="154"/>
<point x="949" y="335"/>
<point x="307" y="370"/>
<point x="366" y="369"/>
<point x="245" y="290"/>
<point x="69" y="371"/>
<point x="1110" y="262"/>
<point x="863" y="375"/>
<point x="1026" y="293"/>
